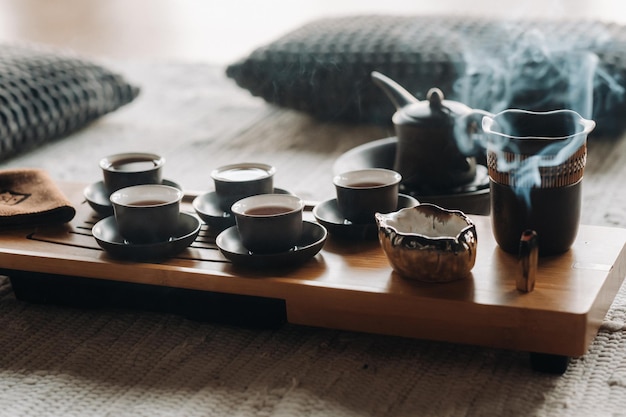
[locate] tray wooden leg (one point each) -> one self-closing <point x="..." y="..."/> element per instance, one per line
<point x="548" y="363"/>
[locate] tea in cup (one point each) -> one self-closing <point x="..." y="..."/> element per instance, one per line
<point x="363" y="193"/>
<point x="147" y="213"/>
<point x="269" y="223"/>
<point x="236" y="181"/>
<point x="131" y="168"/>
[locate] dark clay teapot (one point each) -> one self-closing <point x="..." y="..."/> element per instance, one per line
<point x="428" y="155"/>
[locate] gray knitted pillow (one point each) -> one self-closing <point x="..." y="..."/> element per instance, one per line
<point x="46" y="94"/>
<point x="324" y="67"/>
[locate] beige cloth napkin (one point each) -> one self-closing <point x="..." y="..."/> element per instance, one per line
<point x="29" y="197"/>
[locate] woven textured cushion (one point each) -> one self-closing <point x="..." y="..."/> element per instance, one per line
<point x="324" y="67"/>
<point x="46" y="94"/>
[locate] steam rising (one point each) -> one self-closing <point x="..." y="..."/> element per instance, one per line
<point x="523" y="143"/>
<point x="531" y="74"/>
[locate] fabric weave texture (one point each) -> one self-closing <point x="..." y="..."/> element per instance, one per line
<point x="46" y="94"/>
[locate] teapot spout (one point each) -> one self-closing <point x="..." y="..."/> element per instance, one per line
<point x="398" y="95"/>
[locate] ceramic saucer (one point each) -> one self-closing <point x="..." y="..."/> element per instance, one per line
<point x="98" y="197"/>
<point x="329" y="215"/>
<point x="470" y="198"/>
<point x="311" y="242"/>
<point x="108" y="237"/>
<point x="208" y="209"/>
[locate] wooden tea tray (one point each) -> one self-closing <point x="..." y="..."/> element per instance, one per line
<point x="350" y="285"/>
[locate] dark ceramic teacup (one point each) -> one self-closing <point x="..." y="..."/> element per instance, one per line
<point x="236" y="181"/>
<point x="269" y="223"/>
<point x="363" y="193"/>
<point x="131" y="168"/>
<point x="147" y="213"/>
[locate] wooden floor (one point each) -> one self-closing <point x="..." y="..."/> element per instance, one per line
<point x="222" y="32"/>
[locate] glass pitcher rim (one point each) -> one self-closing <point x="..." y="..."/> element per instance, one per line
<point x="587" y="124"/>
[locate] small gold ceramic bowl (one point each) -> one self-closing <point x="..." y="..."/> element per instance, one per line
<point x="428" y="243"/>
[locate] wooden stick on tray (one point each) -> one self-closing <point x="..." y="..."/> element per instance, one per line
<point x="529" y="258"/>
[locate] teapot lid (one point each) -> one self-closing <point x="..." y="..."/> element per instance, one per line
<point x="433" y="112"/>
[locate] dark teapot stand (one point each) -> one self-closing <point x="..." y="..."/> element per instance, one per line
<point x="471" y="198"/>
